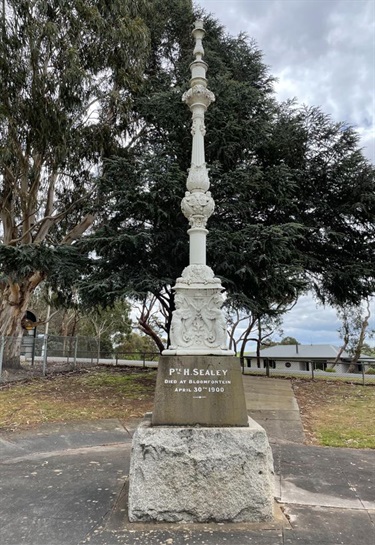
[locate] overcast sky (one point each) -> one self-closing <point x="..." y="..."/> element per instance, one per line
<point x="323" y="53"/>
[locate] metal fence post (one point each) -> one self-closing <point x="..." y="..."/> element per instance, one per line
<point x="75" y="352"/>
<point x="2" y="345"/>
<point x="33" y="350"/>
<point x="363" y="374"/>
<point x="45" y="348"/>
<point x="312" y="370"/>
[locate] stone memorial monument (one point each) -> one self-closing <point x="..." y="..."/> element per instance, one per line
<point x="199" y="457"/>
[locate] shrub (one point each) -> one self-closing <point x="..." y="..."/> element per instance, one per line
<point x="330" y="370"/>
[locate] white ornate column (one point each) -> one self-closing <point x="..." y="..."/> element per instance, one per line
<point x="198" y="323"/>
<point x="206" y="459"/>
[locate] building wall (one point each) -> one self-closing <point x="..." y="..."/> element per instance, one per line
<point x="283" y="365"/>
<point x="295" y="365"/>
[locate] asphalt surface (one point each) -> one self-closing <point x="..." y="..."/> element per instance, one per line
<point x="67" y="485"/>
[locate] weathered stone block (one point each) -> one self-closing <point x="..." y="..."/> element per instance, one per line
<point x="203" y="390"/>
<point x="198" y="474"/>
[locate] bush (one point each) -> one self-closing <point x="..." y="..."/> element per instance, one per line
<point x="370" y="371"/>
<point x="330" y="370"/>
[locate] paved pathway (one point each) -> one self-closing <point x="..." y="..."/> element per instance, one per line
<point x="66" y="485"/>
<point x="272" y="404"/>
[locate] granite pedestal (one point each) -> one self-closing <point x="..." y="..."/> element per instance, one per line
<point x="196" y="474"/>
<point x="198" y="457"/>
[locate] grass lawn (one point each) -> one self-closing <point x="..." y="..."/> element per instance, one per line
<point x="123" y="393"/>
<point x="333" y="413"/>
<point x="336" y="414"/>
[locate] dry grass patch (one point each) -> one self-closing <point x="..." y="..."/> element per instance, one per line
<point x="86" y="395"/>
<point x="336" y="414"/>
<point x="333" y="413"/>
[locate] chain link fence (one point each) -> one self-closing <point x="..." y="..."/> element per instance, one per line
<point x="29" y="356"/>
<point x="42" y="355"/>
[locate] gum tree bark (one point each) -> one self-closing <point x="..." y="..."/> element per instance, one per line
<point x="14" y="303"/>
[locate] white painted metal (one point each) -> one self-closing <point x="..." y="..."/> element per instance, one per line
<point x="198" y="324"/>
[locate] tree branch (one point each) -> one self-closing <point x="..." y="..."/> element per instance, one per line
<point x="147" y="329"/>
<point x="51" y="193"/>
<point x="79" y="229"/>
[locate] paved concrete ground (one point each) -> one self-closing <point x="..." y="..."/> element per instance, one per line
<point x="66" y="485"/>
<point x="272" y="404"/>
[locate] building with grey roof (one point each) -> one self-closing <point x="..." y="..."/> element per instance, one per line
<point x="300" y="357"/>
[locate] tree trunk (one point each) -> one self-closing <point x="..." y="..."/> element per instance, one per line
<point x="169" y="312"/>
<point x="98" y="349"/>
<point x="13" y="306"/>
<point x="232" y="331"/>
<point x="245" y="340"/>
<point x="341" y="350"/>
<point x="144" y="324"/>
<point x="147" y="329"/>
<point x="12" y="352"/>
<point x="353" y="366"/>
<point x="259" y="340"/>
<point x="68" y="327"/>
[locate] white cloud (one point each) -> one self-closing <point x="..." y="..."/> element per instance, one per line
<point x="313" y="323"/>
<point x="322" y="52"/>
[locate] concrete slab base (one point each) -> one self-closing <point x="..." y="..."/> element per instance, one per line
<point x="196" y="474"/>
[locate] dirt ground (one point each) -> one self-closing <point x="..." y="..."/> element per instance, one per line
<point x="337" y="414"/>
<point x="86" y="394"/>
<point x="29" y="371"/>
<point x="333" y="413"/>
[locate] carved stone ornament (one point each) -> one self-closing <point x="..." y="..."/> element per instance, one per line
<point x="198" y="125"/>
<point x="198" y="321"/>
<point x="198" y="274"/>
<point x="198" y="178"/>
<point x="197" y="204"/>
<point x="198" y="222"/>
<point x="198" y="94"/>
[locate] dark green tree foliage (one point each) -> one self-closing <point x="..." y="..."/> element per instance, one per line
<point x="142" y="243"/>
<point x="67" y="69"/>
<point x="136" y="347"/>
<point x="289" y="340"/>
<point x="337" y="210"/>
<point x="294" y="196"/>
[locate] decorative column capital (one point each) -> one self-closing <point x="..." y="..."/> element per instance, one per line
<point x="198" y="94"/>
<point x="198" y="178"/>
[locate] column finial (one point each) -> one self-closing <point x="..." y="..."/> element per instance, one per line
<point x="198" y="34"/>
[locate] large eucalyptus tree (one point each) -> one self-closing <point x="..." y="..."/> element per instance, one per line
<point x="67" y="72"/>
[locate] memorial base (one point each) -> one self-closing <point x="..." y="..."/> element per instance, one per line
<point x="196" y="474"/>
<point x="199" y="390"/>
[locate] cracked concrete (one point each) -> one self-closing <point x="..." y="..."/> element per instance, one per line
<point x="65" y="484"/>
